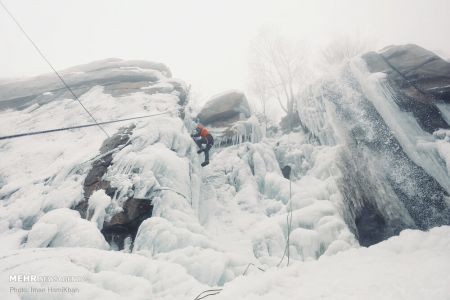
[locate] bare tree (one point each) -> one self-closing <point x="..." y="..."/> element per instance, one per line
<point x="277" y="69"/>
<point x="343" y="48"/>
<point x="261" y="91"/>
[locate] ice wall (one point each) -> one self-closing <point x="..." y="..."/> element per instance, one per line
<point x="43" y="173"/>
<point x="393" y="176"/>
<point x="252" y="200"/>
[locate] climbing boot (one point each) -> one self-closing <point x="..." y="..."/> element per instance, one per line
<point x="205" y="163"/>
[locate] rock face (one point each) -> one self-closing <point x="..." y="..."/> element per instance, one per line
<point x="117" y="76"/>
<point x="93" y="179"/>
<point x="229" y="119"/>
<point x="224" y="109"/>
<point x="125" y="223"/>
<point x="420" y="78"/>
<point x="389" y="180"/>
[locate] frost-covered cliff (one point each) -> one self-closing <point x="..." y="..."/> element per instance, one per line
<point x="136" y="216"/>
<point x="394" y="167"/>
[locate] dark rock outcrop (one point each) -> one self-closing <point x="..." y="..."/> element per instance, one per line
<point x="94" y="179"/>
<point x="419" y="78"/>
<point x="224" y="109"/>
<point x="125" y="223"/>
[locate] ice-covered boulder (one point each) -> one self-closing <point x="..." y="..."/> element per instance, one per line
<point x="420" y="79"/>
<point x="111" y="63"/>
<point x="225" y="108"/>
<point x="118" y="77"/>
<point x="426" y="70"/>
<point x="229" y="118"/>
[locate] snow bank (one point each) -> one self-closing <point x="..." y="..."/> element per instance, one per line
<point x="11" y="238"/>
<point x="96" y="274"/>
<point x="64" y="228"/>
<point x="413" y="265"/>
<point x="159" y="236"/>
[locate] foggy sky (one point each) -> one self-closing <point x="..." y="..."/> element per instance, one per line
<point x="205" y="42"/>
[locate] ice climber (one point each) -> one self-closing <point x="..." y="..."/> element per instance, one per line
<point x="202" y="137"/>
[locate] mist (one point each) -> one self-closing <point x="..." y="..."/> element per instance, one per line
<point x="206" y="43"/>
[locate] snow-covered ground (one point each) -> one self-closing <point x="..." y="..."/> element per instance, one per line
<point x="224" y="226"/>
<point x="413" y="265"/>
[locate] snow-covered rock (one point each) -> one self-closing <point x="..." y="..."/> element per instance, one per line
<point x="118" y="77"/>
<point x="64" y="170"/>
<point x="64" y="228"/>
<point x="225" y="108"/>
<point x="419" y="78"/>
<point x="229" y="119"/>
<point x="181" y="229"/>
<point x="392" y="175"/>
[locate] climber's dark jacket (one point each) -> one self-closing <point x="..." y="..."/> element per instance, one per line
<point x="203" y="137"/>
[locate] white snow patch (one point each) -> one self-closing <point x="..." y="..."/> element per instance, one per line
<point x="41" y="235"/>
<point x="413" y="265"/>
<point x="64" y="227"/>
<point x="98" y="202"/>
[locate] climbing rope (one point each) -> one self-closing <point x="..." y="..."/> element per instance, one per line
<point x="290" y="220"/>
<point x="51" y="66"/>
<point x="172" y="190"/>
<point x="80" y="126"/>
<point x="248" y="267"/>
<point x="213" y="292"/>
<point x="289" y="226"/>
<point x="208" y="293"/>
<point x="160" y="190"/>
